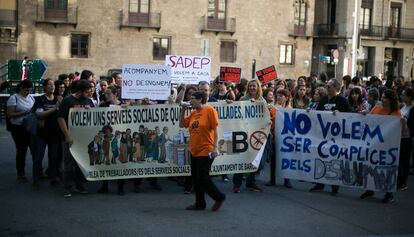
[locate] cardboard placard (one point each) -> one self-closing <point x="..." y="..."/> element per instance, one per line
<point x="189" y="69"/>
<point x="267" y="74"/>
<point x="230" y="74"/>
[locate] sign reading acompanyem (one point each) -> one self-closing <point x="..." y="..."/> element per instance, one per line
<point x="189" y="69"/>
<point x="230" y="74"/>
<point x="267" y="74"/>
<point x="350" y="150"/>
<point x="145" y="81"/>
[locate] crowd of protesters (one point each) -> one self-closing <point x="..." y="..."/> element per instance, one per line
<point x="353" y="95"/>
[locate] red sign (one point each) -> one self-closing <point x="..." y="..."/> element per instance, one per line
<point x="257" y="139"/>
<point x="230" y="74"/>
<point x="267" y="74"/>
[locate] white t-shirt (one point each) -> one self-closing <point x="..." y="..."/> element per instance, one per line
<point x="22" y="104"/>
<point x="405" y="112"/>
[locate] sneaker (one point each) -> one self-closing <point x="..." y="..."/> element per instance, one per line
<point x="81" y="190"/>
<point x="236" y="190"/>
<point x="403" y="187"/>
<point x="194" y="207"/>
<point x="67" y="194"/>
<point x="388" y="198"/>
<point x="256" y="189"/>
<point x="367" y="194"/>
<point x="225" y="178"/>
<point x="187" y="191"/>
<point x="271" y="183"/>
<point x="317" y="188"/>
<point x="216" y="206"/>
<point x="287" y="183"/>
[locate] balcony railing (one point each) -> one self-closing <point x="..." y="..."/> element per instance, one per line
<point x="387" y="32"/>
<point x="151" y="20"/>
<point x="371" y="31"/>
<point x="57" y="17"/>
<point x="326" y="30"/>
<point x="227" y="25"/>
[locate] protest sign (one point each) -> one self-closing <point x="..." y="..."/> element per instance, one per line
<point x="230" y="74"/>
<point x="145" y="81"/>
<point x="267" y="74"/>
<point x="189" y="69"/>
<point x="350" y="150"/>
<point x="146" y="141"/>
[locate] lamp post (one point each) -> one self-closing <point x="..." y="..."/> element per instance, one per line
<point x="355" y="39"/>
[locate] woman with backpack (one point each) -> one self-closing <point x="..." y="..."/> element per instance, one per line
<point x="19" y="106"/>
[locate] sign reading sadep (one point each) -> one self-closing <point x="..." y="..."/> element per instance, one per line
<point x="189" y="69"/>
<point x="145" y="81"/>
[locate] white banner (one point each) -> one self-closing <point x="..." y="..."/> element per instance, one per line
<point x="345" y="149"/>
<point x="189" y="69"/>
<point x="146" y="141"/>
<point x="145" y="81"/>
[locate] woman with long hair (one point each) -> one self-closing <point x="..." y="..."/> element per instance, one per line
<point x="320" y="92"/>
<point x="390" y="106"/>
<point x="300" y="99"/>
<point x="407" y="111"/>
<point x="253" y="93"/>
<point x="357" y="102"/>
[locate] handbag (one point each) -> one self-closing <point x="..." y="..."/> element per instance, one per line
<point x="30" y="122"/>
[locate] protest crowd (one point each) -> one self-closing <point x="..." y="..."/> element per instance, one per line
<point x="393" y="97"/>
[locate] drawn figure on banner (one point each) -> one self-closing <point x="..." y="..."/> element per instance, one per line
<point x="137" y="147"/>
<point x="107" y="130"/>
<point x="151" y="148"/>
<point x="163" y="139"/>
<point x="100" y="147"/>
<point x="93" y="151"/>
<point x="156" y="143"/>
<point x="129" y="145"/>
<point x="142" y="138"/>
<point x="123" y="148"/>
<point x="115" y="146"/>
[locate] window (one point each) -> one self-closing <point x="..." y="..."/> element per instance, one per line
<point x="79" y="45"/>
<point x="395" y="15"/>
<point x="139" y="11"/>
<point x="365" y="18"/>
<point x="56" y="9"/>
<point x="216" y="14"/>
<point x="300" y="17"/>
<point x="228" y="51"/>
<point x="160" y="48"/>
<point x="300" y="12"/>
<point x="286" y="54"/>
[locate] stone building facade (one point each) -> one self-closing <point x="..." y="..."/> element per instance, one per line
<point x="386" y="37"/>
<point x="71" y="35"/>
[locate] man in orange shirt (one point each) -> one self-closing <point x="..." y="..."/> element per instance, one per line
<point x="203" y="127"/>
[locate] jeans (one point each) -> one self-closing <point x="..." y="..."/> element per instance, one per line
<point x="200" y="173"/>
<point x="71" y="170"/>
<point x="38" y="154"/>
<point x="21" y="138"/>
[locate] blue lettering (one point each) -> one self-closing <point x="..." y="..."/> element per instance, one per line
<point x="372" y="134"/>
<point x="320" y="153"/>
<point x="325" y="128"/>
<point x="356" y="127"/>
<point x="285" y="164"/>
<point x="287" y="147"/>
<point x="393" y="155"/>
<point x="344" y="134"/>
